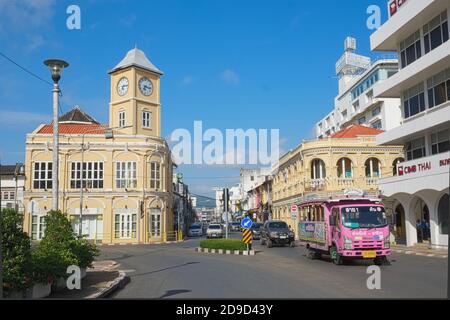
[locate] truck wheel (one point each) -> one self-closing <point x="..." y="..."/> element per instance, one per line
<point x="262" y="242"/>
<point x="381" y="261"/>
<point x="335" y="256"/>
<point x="311" y="254"/>
<point x="269" y="243"/>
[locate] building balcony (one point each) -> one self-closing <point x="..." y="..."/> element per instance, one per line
<point x="346" y="182"/>
<point x="372" y="182"/>
<point x="409" y="17"/>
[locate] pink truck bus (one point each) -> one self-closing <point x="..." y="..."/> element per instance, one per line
<point x="345" y="228"/>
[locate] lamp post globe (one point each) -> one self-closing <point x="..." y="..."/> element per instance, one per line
<point x="56" y="67"/>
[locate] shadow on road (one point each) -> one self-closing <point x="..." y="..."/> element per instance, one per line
<point x="172" y="293"/>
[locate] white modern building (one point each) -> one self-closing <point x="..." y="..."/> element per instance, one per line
<point x="12" y="182"/>
<point x="418" y="195"/>
<point x="355" y="103"/>
<point x="250" y="179"/>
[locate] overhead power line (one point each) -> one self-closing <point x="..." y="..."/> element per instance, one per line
<point x="25" y="69"/>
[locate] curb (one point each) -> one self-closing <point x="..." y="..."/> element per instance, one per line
<point x="121" y="281"/>
<point x="226" y="252"/>
<point x="422" y="254"/>
<point x="137" y="244"/>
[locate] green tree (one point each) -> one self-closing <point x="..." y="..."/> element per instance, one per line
<point x="17" y="263"/>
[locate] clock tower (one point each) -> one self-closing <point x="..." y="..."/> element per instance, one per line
<point x="135" y="95"/>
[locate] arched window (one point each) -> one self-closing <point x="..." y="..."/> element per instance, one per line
<point x="394" y="165"/>
<point x="373" y="168"/>
<point x="345" y="168"/>
<point x="318" y="169"/>
<point x="443" y="214"/>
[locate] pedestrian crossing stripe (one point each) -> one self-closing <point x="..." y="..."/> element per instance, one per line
<point x="247" y="236"/>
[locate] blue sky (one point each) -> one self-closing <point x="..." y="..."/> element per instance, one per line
<point x="230" y="63"/>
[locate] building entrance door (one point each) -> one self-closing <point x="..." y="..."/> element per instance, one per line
<point x="155" y="223"/>
<point x="400" y="228"/>
<point x="422" y="221"/>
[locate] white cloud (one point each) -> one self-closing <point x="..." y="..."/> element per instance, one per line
<point x="230" y="76"/>
<point x="20" y="15"/>
<point x="187" y="80"/>
<point x="22" y="118"/>
<point x="31" y="19"/>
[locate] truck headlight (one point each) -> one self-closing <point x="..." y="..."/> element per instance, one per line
<point x="387" y="243"/>
<point x="348" y="243"/>
<point x="274" y="234"/>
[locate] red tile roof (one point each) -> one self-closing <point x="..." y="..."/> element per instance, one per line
<point x="354" y="131"/>
<point x="74" y="128"/>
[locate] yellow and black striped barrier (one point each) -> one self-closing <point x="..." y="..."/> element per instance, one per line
<point x="247" y="236"/>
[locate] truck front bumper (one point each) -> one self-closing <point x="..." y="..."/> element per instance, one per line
<point x="361" y="253"/>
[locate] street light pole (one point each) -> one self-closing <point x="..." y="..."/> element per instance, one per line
<point x="56" y="67"/>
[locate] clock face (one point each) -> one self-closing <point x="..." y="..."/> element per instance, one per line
<point x="146" y="86"/>
<point x="122" y="86"/>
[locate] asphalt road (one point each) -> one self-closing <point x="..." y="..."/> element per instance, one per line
<point x="177" y="271"/>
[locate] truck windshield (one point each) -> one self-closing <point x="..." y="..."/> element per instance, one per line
<point x="364" y="217"/>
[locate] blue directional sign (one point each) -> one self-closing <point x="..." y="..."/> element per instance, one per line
<point x="246" y="223"/>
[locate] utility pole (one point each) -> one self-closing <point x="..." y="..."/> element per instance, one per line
<point x="225" y="208"/>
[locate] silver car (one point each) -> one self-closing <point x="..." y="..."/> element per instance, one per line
<point x="214" y="231"/>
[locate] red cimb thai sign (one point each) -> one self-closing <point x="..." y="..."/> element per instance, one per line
<point x="395" y="5"/>
<point x="435" y="165"/>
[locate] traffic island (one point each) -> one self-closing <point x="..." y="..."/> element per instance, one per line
<point x="100" y="282"/>
<point x="226" y="252"/>
<point x="224" y="246"/>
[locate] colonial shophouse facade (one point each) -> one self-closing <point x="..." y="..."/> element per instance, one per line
<point x="348" y="161"/>
<point x="127" y="171"/>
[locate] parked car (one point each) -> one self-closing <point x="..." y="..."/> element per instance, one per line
<point x="277" y="233"/>
<point x="256" y="228"/>
<point x="195" y="230"/>
<point x="214" y="231"/>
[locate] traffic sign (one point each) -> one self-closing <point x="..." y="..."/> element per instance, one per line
<point x="246" y="223"/>
<point x="294" y="208"/>
<point x="247" y="236"/>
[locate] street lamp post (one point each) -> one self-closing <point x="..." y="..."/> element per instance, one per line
<point x="56" y="67"/>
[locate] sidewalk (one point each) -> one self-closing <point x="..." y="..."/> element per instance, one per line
<point x="100" y="281"/>
<point x="420" y="250"/>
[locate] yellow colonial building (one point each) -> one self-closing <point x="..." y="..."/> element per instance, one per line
<point x="348" y="161"/>
<point x="124" y="167"/>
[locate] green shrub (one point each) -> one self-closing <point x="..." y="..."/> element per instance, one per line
<point x="85" y="252"/>
<point x="50" y="263"/>
<point x="17" y="266"/>
<point x="226" y="244"/>
<point x="59" y="249"/>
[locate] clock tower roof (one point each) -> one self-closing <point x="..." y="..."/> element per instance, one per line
<point x="137" y="58"/>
